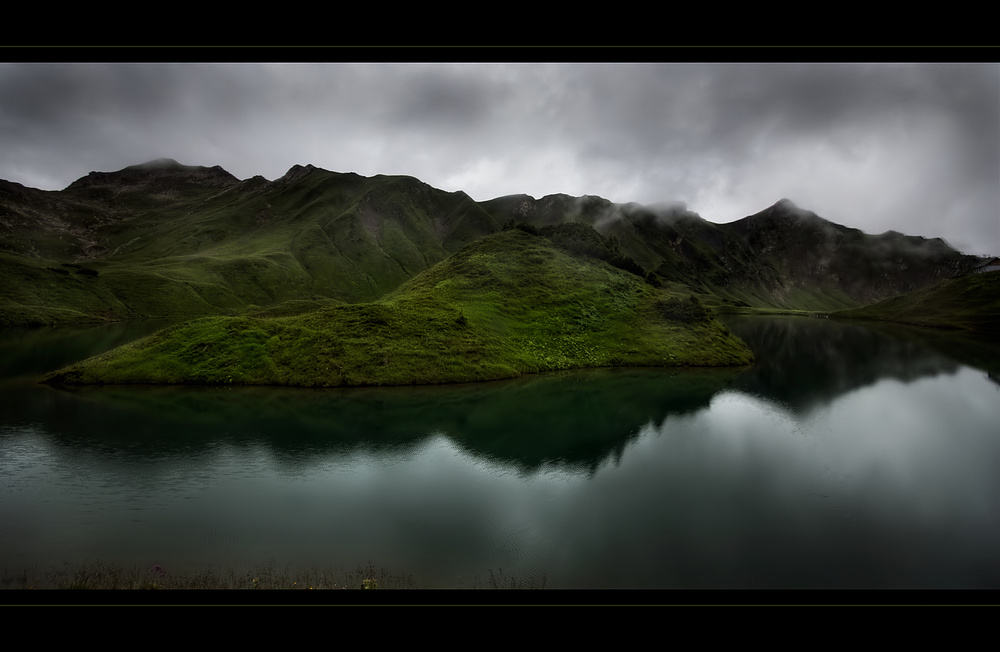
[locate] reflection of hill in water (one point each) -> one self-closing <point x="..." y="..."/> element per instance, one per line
<point x="33" y="351"/>
<point x="803" y="362"/>
<point x="977" y="351"/>
<point x="574" y="419"/>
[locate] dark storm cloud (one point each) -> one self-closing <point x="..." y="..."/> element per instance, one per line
<point x="61" y="121"/>
<point x="444" y="101"/>
<point x="878" y="146"/>
<point x="914" y="148"/>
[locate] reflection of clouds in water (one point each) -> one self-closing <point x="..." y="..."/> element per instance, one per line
<point x="937" y="448"/>
<point x="744" y="420"/>
<point x="751" y="494"/>
<point x="890" y="484"/>
<point x="924" y="447"/>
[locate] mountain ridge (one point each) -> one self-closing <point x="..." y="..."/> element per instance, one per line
<point x="165" y="239"/>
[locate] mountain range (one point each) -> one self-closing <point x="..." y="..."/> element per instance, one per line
<point x="163" y="239"/>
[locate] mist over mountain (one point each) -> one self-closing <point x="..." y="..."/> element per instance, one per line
<point x="165" y="239"/>
<point x="766" y="258"/>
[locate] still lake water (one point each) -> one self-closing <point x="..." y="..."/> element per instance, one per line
<point x="845" y="457"/>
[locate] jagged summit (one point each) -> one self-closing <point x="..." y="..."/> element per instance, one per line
<point x="156" y="172"/>
<point x="297" y="172"/>
<point x="783" y="214"/>
<point x="158" y="164"/>
<point x="786" y="208"/>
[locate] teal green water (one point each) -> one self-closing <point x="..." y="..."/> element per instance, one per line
<point x="845" y="457"/>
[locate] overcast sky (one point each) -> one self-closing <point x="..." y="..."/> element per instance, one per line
<point x="909" y="147"/>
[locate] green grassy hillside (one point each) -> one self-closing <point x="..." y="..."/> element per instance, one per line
<point x="780" y="258"/>
<point x="970" y="303"/>
<point x="508" y="304"/>
<point x="170" y="240"/>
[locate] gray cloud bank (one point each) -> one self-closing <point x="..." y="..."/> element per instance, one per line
<point x="909" y="147"/>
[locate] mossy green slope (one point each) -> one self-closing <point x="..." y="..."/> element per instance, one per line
<point x="782" y="257"/>
<point x="969" y="303"/>
<point x="169" y="240"/>
<point x="508" y="304"/>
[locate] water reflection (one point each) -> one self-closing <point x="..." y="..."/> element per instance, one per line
<point x="30" y="352"/>
<point x="804" y="363"/>
<point x="847" y="456"/>
<point x="574" y="420"/>
<point x="893" y="486"/>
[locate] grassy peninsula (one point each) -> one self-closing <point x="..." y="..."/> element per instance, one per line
<point x="516" y="302"/>
<point x="321" y="278"/>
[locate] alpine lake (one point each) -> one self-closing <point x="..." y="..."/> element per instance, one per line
<point x="849" y="456"/>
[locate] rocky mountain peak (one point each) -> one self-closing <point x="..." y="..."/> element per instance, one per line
<point x="158" y="164"/>
<point x="297" y="172"/>
<point x="156" y="173"/>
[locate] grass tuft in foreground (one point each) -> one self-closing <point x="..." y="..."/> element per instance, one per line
<point x="103" y="577"/>
<point x="99" y="576"/>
